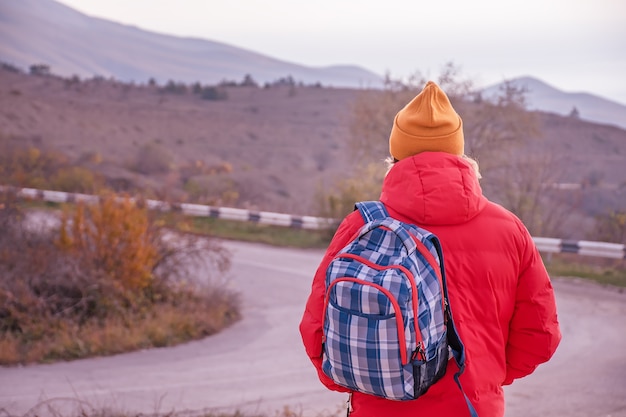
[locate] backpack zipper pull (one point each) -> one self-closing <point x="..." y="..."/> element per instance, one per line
<point x="419" y="353"/>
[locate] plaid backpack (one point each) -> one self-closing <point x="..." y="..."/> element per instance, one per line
<point x="387" y="325"/>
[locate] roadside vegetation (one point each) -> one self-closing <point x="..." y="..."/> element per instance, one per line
<point x="114" y="277"/>
<point x="260" y="233"/>
<point x="495" y="128"/>
<point x="598" y="269"/>
<point x="109" y="278"/>
<point x="84" y="409"/>
<point x="604" y="271"/>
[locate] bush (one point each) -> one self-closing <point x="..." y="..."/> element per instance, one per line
<point x="36" y="168"/>
<point x="610" y="227"/>
<point x="29" y="167"/>
<point x="108" y="280"/>
<point x="213" y="94"/>
<point x="115" y="238"/>
<point x="339" y="200"/>
<point x="217" y="190"/>
<point x="153" y="159"/>
<point x="76" y="180"/>
<point x="173" y="87"/>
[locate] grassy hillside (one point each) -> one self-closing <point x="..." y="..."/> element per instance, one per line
<point x="268" y="148"/>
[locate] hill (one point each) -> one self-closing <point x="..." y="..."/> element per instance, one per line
<point x="279" y="142"/>
<point x="71" y="43"/>
<point x="544" y="97"/>
<point x="270" y="148"/>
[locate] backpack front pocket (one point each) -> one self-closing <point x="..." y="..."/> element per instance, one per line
<point x="365" y="347"/>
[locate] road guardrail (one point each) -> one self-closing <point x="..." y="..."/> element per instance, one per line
<point x="544" y="244"/>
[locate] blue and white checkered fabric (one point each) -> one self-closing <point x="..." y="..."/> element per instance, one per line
<point x="370" y="333"/>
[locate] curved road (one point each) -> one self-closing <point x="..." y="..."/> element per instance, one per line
<point x="259" y="365"/>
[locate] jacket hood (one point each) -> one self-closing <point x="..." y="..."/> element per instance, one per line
<point x="433" y="188"/>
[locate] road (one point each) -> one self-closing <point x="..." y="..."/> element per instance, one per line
<point x="258" y="365"/>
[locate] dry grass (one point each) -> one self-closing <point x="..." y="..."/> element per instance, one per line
<point x="162" y="325"/>
<point x="109" y="280"/>
<point x="601" y="270"/>
<point x="59" y="408"/>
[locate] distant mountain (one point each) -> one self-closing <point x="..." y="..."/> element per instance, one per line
<point x="541" y="96"/>
<point x="71" y="43"/>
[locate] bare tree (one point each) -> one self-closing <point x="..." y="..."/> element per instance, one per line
<point x="528" y="186"/>
<point x="496" y="124"/>
<point x="499" y="132"/>
<point x="374" y="110"/>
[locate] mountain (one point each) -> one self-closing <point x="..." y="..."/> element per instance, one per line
<point x="544" y="97"/>
<point x="71" y="43"/>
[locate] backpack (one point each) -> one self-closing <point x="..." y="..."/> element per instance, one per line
<point x="387" y="324"/>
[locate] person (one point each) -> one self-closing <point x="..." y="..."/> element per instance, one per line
<point x="500" y="294"/>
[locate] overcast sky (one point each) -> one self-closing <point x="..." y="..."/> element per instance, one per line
<point x="573" y="45"/>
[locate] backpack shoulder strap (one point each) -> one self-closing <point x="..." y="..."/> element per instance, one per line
<point x="454" y="341"/>
<point x="371" y="210"/>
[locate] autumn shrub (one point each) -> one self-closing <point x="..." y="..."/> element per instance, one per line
<point x="610" y="227"/>
<point x="107" y="279"/>
<point x="76" y="179"/>
<point x="36" y="168"/>
<point x="114" y="237"/>
<point x="215" y="190"/>
<point x="337" y="201"/>
<point x="28" y="166"/>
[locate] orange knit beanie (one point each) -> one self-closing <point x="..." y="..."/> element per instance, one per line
<point x="427" y="123"/>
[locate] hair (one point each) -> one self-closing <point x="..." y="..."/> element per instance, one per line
<point x="390" y="161"/>
<point x="474" y="164"/>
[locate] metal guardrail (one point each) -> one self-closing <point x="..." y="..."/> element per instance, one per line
<point x="544" y="244"/>
<point x="581" y="247"/>
<point x="224" y="213"/>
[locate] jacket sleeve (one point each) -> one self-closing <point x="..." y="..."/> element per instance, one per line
<point x="534" y="332"/>
<point x="311" y="323"/>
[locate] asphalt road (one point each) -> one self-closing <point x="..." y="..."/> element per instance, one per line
<point x="259" y="364"/>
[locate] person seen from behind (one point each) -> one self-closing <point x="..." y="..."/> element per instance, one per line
<point x="500" y="294"/>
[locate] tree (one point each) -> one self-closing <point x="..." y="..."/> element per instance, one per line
<point x="574" y="113"/>
<point x="248" y="81"/>
<point x="494" y="124"/>
<point x="526" y="185"/>
<point x="212" y="93"/>
<point x="374" y="111"/>
<point x="499" y="131"/>
<point x="338" y="200"/>
<point x="39" y="69"/>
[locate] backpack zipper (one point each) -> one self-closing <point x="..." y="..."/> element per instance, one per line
<point x="410" y="277"/>
<point x="377" y="267"/>
<point x="394" y="303"/>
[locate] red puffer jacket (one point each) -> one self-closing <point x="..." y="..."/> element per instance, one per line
<point x="500" y="293"/>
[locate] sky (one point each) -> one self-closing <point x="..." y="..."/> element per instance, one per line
<point x="573" y="45"/>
